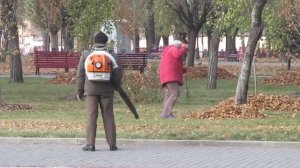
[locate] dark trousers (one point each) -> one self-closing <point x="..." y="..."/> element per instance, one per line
<point x="106" y="106"/>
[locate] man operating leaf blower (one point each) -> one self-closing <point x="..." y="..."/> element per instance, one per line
<point x="98" y="75"/>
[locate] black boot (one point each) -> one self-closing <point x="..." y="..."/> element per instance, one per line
<point x="113" y="148"/>
<point x="89" y="148"/>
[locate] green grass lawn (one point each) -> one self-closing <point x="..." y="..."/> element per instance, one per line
<point x="55" y="116"/>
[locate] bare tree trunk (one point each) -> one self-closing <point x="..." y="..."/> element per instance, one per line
<point x="1" y="49"/>
<point x="289" y="63"/>
<point x="54" y="37"/>
<point x="150" y="26"/>
<point x="54" y="41"/>
<point x="136" y="36"/>
<point x="268" y="48"/>
<point x="213" y="61"/>
<point x="46" y="41"/>
<point x="230" y="41"/>
<point x="9" y="21"/>
<point x="209" y="37"/>
<point x="254" y="36"/>
<point x="3" y="28"/>
<point x="4" y="45"/>
<point x="66" y="29"/>
<point x="192" y="35"/>
<point x="136" y="42"/>
<point x="63" y="34"/>
<point x="165" y="40"/>
<point x="68" y="39"/>
<point x="157" y="41"/>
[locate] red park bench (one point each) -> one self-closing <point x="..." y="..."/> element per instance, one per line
<point x="55" y="59"/>
<point x="222" y="54"/>
<point x="237" y="56"/>
<point x="230" y="57"/>
<point x="133" y="61"/>
<point x="234" y="57"/>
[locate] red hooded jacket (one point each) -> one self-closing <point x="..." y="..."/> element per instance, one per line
<point x="171" y="66"/>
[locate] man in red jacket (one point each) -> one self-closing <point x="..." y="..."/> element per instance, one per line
<point x="171" y="75"/>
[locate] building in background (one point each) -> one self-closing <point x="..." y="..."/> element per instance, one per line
<point x="29" y="38"/>
<point x="117" y="40"/>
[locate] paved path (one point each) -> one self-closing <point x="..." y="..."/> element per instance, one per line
<point x="31" y="152"/>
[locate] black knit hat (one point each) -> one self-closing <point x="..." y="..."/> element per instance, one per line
<point x="100" y="38"/>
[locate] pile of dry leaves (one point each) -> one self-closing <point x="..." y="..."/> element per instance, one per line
<point x="284" y="78"/>
<point x="256" y="104"/>
<point x="14" y="107"/>
<point x="64" y="78"/>
<point x="201" y="72"/>
<point x="137" y="79"/>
